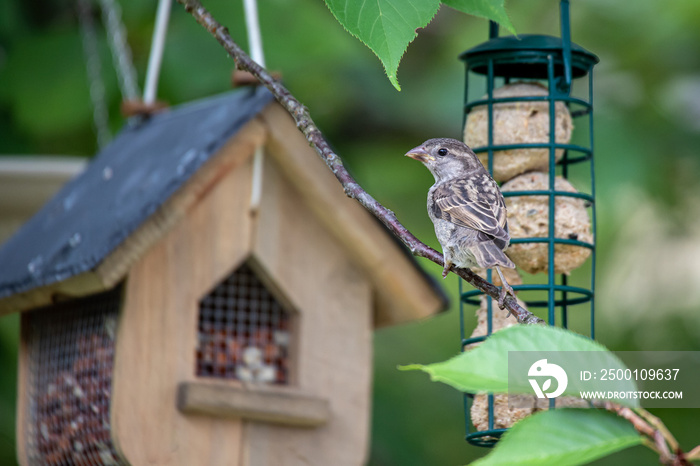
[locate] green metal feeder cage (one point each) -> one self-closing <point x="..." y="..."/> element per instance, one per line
<point x="562" y="67"/>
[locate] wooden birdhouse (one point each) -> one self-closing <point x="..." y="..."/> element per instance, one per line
<point x="163" y="323"/>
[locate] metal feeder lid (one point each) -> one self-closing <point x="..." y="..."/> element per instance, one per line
<point x="525" y="56"/>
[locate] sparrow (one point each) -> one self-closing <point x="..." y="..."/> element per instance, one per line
<point x="467" y="209"/>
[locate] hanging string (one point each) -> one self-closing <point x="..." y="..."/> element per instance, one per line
<point x="253" y="26"/>
<point x="121" y="52"/>
<point x="256" y="188"/>
<point x="94" y="72"/>
<point x="256" y="53"/>
<point x="156" y="56"/>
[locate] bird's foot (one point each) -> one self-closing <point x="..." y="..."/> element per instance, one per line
<point x="446" y="270"/>
<point x="506" y="290"/>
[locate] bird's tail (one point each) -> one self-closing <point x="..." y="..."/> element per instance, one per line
<point x="488" y="255"/>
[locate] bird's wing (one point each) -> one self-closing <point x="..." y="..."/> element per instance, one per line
<point x="473" y="204"/>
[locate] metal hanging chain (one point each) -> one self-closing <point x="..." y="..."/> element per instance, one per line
<point x="155" y="58"/>
<point x="121" y="52"/>
<point x="256" y="53"/>
<point x="94" y="72"/>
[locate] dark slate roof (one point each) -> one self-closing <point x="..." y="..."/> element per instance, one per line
<point x="125" y="184"/>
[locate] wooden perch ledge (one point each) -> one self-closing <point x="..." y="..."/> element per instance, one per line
<point x="257" y="403"/>
<point x="352" y="189"/>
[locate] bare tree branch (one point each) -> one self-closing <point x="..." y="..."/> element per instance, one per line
<point x="352" y="189"/>
<point x="657" y="424"/>
<point x="655" y="434"/>
<point x="694" y="454"/>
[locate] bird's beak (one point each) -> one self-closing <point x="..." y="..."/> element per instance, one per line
<point x="419" y="153"/>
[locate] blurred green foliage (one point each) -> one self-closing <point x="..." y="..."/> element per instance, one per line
<point x="647" y="104"/>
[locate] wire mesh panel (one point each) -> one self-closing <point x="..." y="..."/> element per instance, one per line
<point x="244" y="332"/>
<point x="71" y="359"/>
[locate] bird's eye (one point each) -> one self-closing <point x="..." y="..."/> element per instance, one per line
<point x="442" y="152"/>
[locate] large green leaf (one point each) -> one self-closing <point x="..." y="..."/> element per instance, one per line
<point x="388" y="26"/>
<point x="489" y="9"/>
<point x="562" y="437"/>
<point x="486" y="368"/>
<point x="385" y="26"/>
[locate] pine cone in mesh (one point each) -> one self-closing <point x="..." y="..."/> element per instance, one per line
<point x="518" y="123"/>
<point x="528" y="217"/>
<point x="73" y="411"/>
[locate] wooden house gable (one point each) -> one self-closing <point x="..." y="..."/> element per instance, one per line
<point x="87" y="238"/>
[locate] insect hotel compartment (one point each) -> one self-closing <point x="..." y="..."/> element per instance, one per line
<point x="235" y="339"/>
<point x="70" y="357"/>
<point x="244" y="332"/>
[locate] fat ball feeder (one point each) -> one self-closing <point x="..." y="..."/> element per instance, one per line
<point x="521" y="129"/>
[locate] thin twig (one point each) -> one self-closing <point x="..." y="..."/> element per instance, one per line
<point x="303" y="120"/>
<point x="656" y="423"/>
<point x="655" y="434"/>
<point x="693" y="454"/>
<point x="650" y="445"/>
<point x="624" y="412"/>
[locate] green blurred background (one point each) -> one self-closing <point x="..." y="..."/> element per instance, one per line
<point x="647" y="128"/>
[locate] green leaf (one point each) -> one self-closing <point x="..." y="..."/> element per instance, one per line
<point x="562" y="437"/>
<point x="385" y="26"/>
<point x="486" y="368"/>
<point x="489" y="9"/>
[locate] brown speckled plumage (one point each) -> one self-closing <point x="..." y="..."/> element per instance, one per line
<point x="465" y="205"/>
